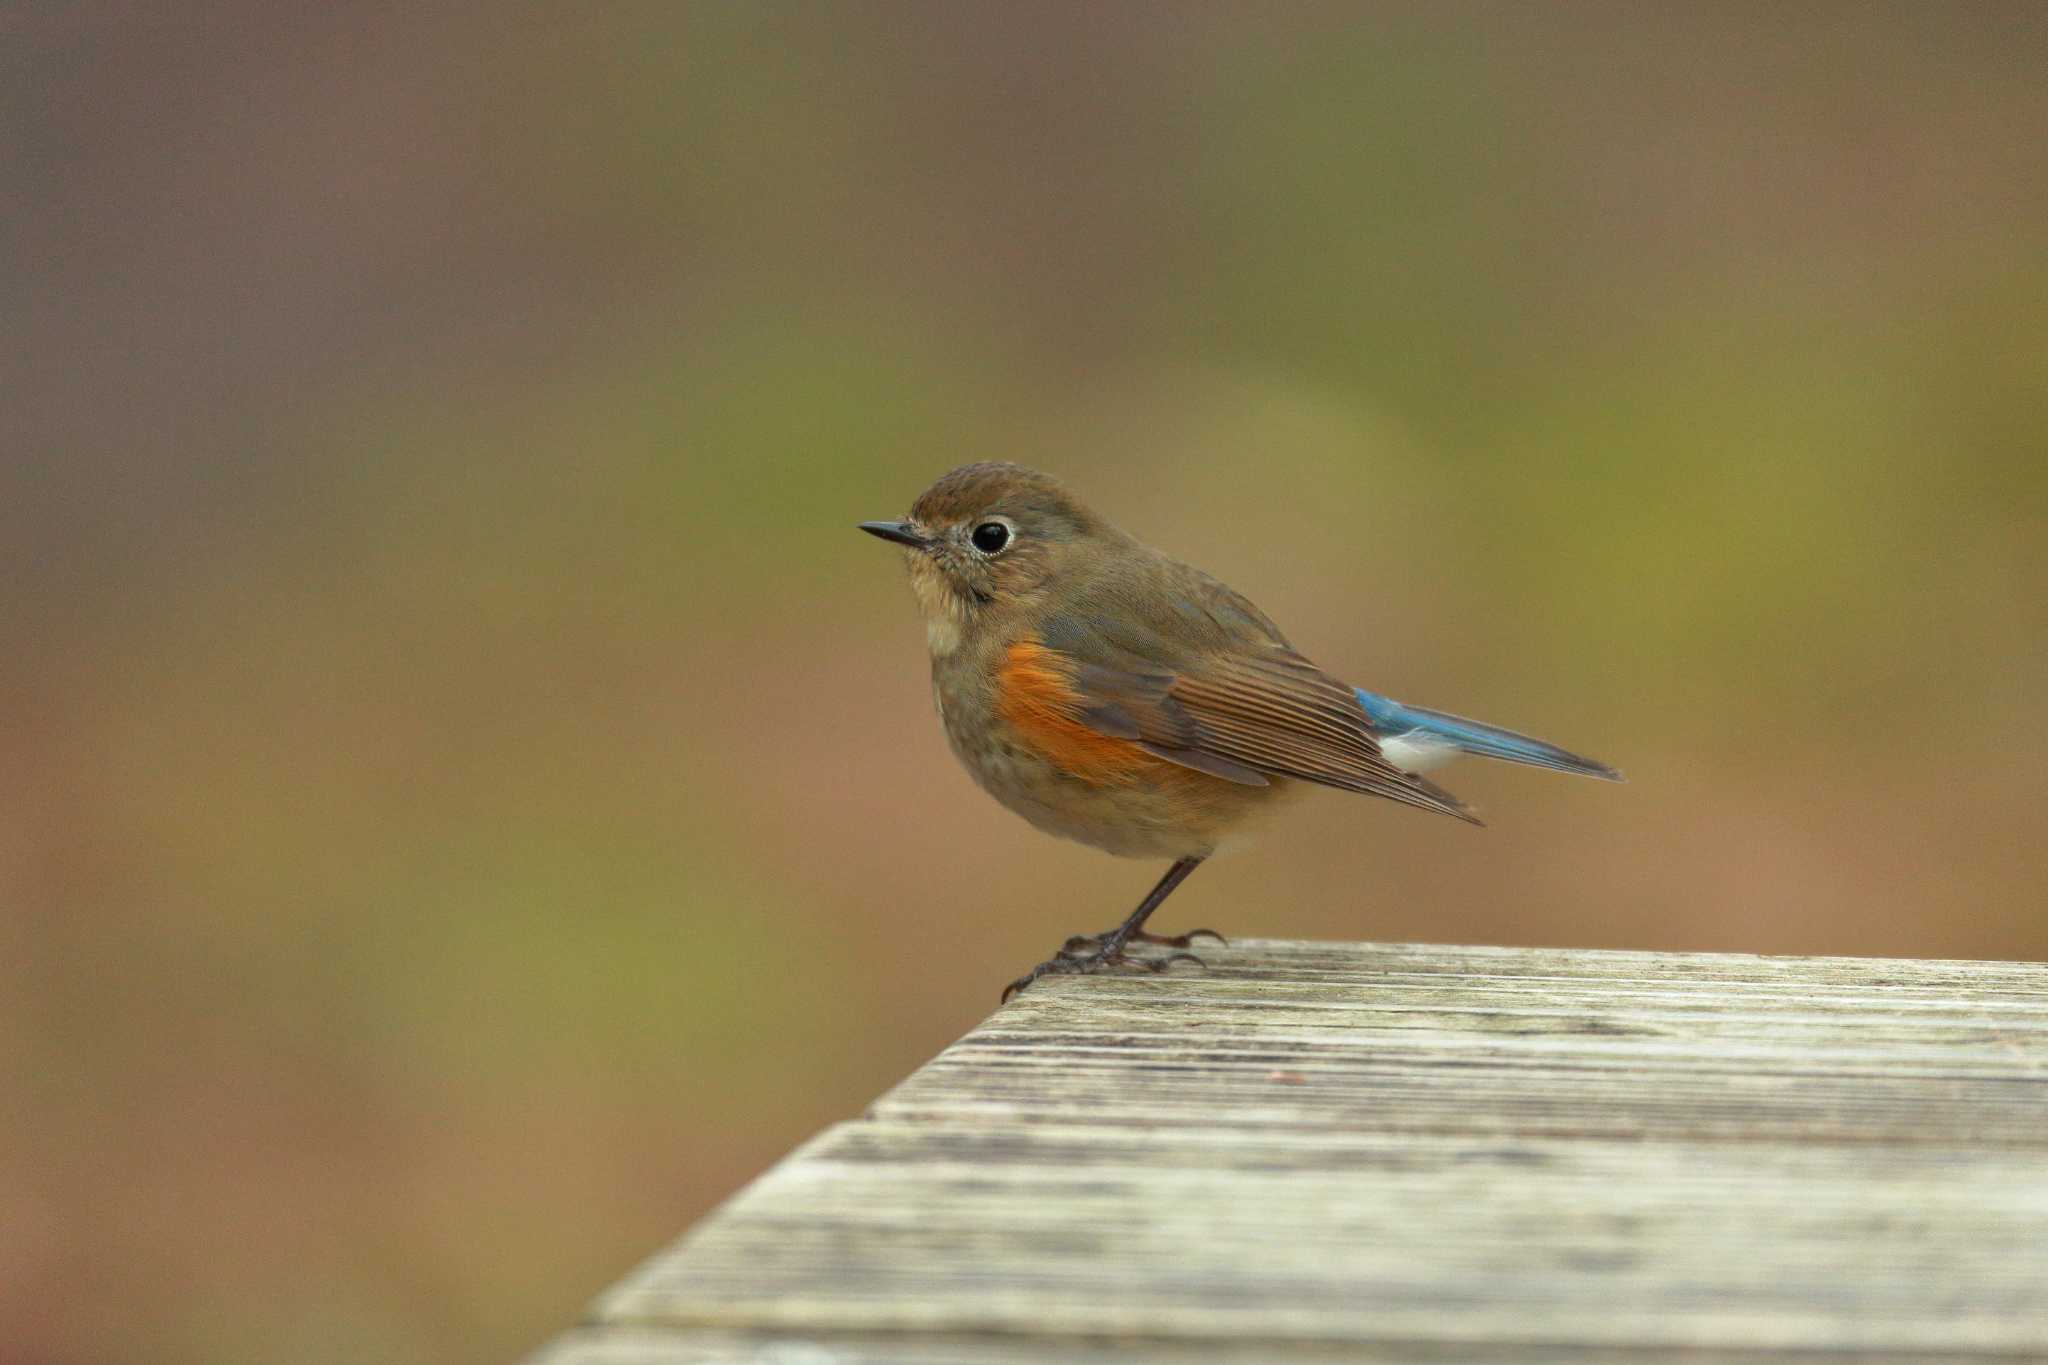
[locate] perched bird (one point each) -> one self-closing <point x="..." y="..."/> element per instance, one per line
<point x="1110" y="694"/>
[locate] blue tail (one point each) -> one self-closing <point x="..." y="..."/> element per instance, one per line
<point x="1418" y="737"/>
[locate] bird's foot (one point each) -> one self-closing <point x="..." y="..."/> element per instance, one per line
<point x="1109" y="954"/>
<point x="1080" y="941"/>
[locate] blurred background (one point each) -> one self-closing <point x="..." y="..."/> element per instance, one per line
<point x="470" y="798"/>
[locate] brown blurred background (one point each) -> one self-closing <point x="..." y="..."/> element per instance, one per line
<point x="470" y="798"/>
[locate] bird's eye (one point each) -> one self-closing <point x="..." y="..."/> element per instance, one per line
<point x="990" y="537"/>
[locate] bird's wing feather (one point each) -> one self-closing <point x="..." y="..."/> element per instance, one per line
<point x="1242" y="710"/>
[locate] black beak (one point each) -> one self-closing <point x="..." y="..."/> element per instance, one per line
<point x="902" y="532"/>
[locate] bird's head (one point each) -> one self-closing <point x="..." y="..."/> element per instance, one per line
<point x="986" y="543"/>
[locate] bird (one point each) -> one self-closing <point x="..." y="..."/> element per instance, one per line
<point x="1113" y="695"/>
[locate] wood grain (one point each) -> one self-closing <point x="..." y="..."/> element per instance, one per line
<point x="1379" y="1152"/>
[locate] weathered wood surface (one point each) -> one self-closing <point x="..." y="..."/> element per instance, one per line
<point x="1378" y="1152"/>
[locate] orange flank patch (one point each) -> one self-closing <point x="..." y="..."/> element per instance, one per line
<point x="1035" y="695"/>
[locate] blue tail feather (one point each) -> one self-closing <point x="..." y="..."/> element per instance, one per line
<point x="1394" y="720"/>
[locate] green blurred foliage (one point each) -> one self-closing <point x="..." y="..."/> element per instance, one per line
<point x="471" y="798"/>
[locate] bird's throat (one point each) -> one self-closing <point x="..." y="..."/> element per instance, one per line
<point x="945" y="615"/>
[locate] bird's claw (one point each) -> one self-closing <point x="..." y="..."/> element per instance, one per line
<point x="1160" y="964"/>
<point x="1184" y="940"/>
<point x="1073" y="960"/>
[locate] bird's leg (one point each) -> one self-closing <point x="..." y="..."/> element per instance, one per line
<point x="1109" y="947"/>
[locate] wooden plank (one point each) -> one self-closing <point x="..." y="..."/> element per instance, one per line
<point x="633" y="1346"/>
<point x="1399" y="1152"/>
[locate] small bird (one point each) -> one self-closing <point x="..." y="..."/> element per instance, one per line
<point x="1110" y="694"/>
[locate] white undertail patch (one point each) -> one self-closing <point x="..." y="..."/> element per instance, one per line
<point x="1417" y="752"/>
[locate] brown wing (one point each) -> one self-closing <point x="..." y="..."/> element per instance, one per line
<point x="1241" y="716"/>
